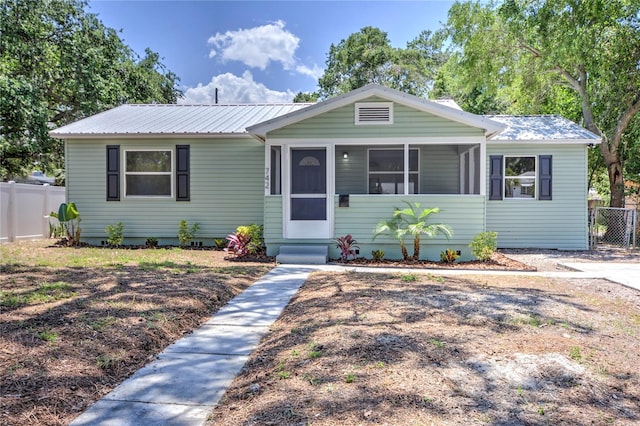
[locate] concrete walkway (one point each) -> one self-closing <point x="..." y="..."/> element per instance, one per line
<point x="183" y="385"/>
<point x="188" y="378"/>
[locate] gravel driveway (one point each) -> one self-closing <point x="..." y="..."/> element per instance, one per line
<point x="551" y="260"/>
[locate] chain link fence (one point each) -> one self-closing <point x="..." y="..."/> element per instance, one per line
<point x="611" y="226"/>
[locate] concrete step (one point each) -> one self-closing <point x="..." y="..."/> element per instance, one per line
<point x="303" y="255"/>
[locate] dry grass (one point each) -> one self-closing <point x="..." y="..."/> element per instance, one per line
<point x="75" y="322"/>
<point x="418" y="349"/>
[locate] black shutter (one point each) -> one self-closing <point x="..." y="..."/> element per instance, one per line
<point x="495" y="177"/>
<point x="113" y="172"/>
<point x="182" y="173"/>
<point x="544" y="175"/>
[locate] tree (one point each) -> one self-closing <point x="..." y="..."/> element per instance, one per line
<point x="59" y="64"/>
<point x="367" y="57"/>
<point x="557" y="53"/>
<point x="305" y="97"/>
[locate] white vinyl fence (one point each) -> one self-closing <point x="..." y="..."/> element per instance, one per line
<point x="24" y="209"/>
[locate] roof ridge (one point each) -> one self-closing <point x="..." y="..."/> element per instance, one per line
<point x="223" y="105"/>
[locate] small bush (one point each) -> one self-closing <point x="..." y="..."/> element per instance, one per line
<point x="151" y="242"/>
<point x="449" y="256"/>
<point x="115" y="234"/>
<point x="484" y="245"/>
<point x="255" y="234"/>
<point x="221" y="243"/>
<point x="187" y="233"/>
<point x="347" y="246"/>
<point x="377" y="255"/>
<point x="239" y="244"/>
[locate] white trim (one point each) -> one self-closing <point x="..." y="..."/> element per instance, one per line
<point x="505" y="177"/>
<point x="363" y="105"/>
<point x="512" y="142"/>
<point x="125" y="172"/>
<point x="452" y="140"/>
<point x="150" y="135"/>
<point x="483" y="175"/>
<point x="267" y="169"/>
<point x="286" y="189"/>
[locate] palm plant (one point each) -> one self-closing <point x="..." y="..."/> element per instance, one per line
<point x="394" y="228"/>
<point x="412" y="221"/>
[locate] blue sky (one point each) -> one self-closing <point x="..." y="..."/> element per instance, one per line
<point x="257" y="51"/>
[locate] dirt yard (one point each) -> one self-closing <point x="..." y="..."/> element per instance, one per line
<point x="74" y="323"/>
<point x="350" y="349"/>
<point x="413" y="349"/>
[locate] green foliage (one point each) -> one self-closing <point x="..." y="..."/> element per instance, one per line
<point x="575" y="353"/>
<point x="58" y="64"/>
<point x="48" y="336"/>
<point x="409" y="278"/>
<point x="367" y="57"/>
<point x="115" y="234"/>
<point x="578" y="59"/>
<point x="411" y="220"/>
<point x="56" y="230"/>
<point x="187" y="233"/>
<point x="255" y="234"/>
<point x="220" y="243"/>
<point x="69" y="219"/>
<point x="151" y="242"/>
<point x="449" y="256"/>
<point x="377" y="255"/>
<point x="484" y="244"/>
<point x="350" y="378"/>
<point x="306" y="97"/>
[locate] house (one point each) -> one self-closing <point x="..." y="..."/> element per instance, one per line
<point x="312" y="172"/>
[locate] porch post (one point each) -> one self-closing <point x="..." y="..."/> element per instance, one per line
<point x="267" y="169"/>
<point x="406" y="169"/>
<point x="483" y="167"/>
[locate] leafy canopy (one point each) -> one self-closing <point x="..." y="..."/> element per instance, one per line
<point x="59" y="64"/>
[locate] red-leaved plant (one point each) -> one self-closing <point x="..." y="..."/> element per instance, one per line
<point x="347" y="246"/>
<point x="239" y="243"/>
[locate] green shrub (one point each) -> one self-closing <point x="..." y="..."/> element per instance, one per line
<point x="151" y="242"/>
<point x="449" y="256"/>
<point x="377" y="255"/>
<point x="115" y="234"/>
<point x="255" y="234"/>
<point x="187" y="233"/>
<point x="220" y="243"/>
<point x="484" y="245"/>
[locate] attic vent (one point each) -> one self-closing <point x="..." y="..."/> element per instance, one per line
<point x="374" y="113"/>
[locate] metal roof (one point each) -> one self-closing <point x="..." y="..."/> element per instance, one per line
<point x="541" y="128"/>
<point x="160" y="119"/>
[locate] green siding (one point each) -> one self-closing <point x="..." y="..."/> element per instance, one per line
<point x="560" y="223"/>
<point x="351" y="173"/>
<point x="465" y="214"/>
<point x="227" y="182"/>
<point x="408" y="122"/>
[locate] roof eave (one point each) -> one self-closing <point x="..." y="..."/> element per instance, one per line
<point x="146" y="135"/>
<point x="489" y="126"/>
<point x="546" y="141"/>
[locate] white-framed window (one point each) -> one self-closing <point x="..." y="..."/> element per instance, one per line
<point x="520" y="177"/>
<point x="386" y="170"/>
<point x="372" y="113"/>
<point x="148" y="173"/>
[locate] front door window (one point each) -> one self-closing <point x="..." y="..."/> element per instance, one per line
<point x="308" y="184"/>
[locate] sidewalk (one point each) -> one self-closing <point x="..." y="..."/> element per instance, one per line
<point x="186" y="381"/>
<point x="188" y="378"/>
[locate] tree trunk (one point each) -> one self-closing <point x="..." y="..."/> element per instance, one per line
<point x="616" y="183"/>
<point x="416" y="248"/>
<point x="405" y="254"/>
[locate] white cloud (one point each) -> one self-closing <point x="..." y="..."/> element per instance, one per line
<point x="257" y="46"/>
<point x="315" y="72"/>
<point x="233" y="89"/>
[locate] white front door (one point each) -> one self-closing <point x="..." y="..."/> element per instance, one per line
<point x="307" y="206"/>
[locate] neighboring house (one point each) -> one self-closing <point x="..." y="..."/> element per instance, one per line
<point x="312" y="172"/>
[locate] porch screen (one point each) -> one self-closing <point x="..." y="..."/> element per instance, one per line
<point x="386" y="171"/>
<point x="308" y="184"/>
